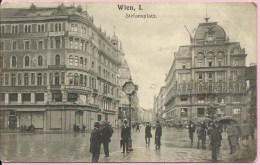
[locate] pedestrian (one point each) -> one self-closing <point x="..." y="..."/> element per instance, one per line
<point x="201" y="134"/>
<point x="192" y="129"/>
<point x="83" y="128"/>
<point x="210" y="128"/>
<point x="232" y="134"/>
<point x="148" y="134"/>
<point x="125" y="134"/>
<point x="245" y="130"/>
<point x="137" y="127"/>
<point x="95" y="142"/>
<point x="158" y="134"/>
<point x="107" y="132"/>
<point x="215" y="142"/>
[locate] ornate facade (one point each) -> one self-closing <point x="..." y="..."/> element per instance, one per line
<point x="207" y="78"/>
<point x="57" y="69"/>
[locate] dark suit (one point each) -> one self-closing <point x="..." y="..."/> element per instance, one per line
<point x="158" y="134"/>
<point x="148" y="134"/>
<point x="107" y="132"/>
<point x="95" y="143"/>
<point x="125" y="134"/>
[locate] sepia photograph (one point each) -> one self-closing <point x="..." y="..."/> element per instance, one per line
<point x="128" y="82"/>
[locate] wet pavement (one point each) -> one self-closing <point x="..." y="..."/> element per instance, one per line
<point x="74" y="147"/>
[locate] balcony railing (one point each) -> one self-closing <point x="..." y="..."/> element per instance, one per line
<point x="78" y="34"/>
<point x="59" y="33"/>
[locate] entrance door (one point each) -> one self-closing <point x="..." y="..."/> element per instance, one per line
<point x="79" y="118"/>
<point x="12" y="121"/>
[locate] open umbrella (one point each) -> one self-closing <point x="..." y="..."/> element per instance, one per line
<point x="226" y="119"/>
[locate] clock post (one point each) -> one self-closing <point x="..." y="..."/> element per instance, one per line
<point x="129" y="88"/>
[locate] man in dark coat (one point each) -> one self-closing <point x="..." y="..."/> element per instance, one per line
<point x="215" y="140"/>
<point x="125" y="134"/>
<point x="192" y="129"/>
<point x="107" y="132"/>
<point x="158" y="134"/>
<point x="148" y="133"/>
<point x="95" y="142"/>
<point x="201" y="133"/>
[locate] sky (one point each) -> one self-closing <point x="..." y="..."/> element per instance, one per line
<point x="149" y="43"/>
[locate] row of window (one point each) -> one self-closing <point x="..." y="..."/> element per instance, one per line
<point x="54" y="79"/>
<point x="24" y="97"/>
<point x="27" y="28"/>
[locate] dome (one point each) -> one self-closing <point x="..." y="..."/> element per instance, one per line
<point x="209" y="31"/>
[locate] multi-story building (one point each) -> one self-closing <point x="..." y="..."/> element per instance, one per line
<point x="159" y="107"/>
<point x="123" y="107"/>
<point x="146" y="115"/>
<point x="57" y="69"/>
<point x="251" y="93"/>
<point x="207" y="78"/>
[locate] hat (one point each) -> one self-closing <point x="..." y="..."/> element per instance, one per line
<point x="96" y="124"/>
<point x="157" y="121"/>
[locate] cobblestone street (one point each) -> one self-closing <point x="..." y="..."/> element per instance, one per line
<point x="75" y="148"/>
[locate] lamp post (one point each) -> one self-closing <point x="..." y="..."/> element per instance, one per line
<point x="129" y="89"/>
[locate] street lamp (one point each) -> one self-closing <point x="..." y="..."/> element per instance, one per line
<point x="129" y="89"/>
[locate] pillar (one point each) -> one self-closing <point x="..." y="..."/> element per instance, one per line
<point x="6" y="98"/>
<point x="33" y="98"/>
<point x="19" y="98"/>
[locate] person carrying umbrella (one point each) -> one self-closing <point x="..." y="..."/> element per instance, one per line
<point x="215" y="142"/>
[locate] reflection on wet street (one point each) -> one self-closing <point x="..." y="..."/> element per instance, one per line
<point x="74" y="147"/>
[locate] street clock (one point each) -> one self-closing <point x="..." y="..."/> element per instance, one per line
<point x="129" y="87"/>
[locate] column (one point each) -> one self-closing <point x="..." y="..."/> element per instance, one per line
<point x="33" y="98"/>
<point x="19" y="98"/>
<point x="6" y="98"/>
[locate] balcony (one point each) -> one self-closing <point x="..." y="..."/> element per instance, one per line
<point x="80" y="89"/>
<point x="23" y="35"/>
<point x="55" y="34"/>
<point x="55" y="87"/>
<point x="79" y="35"/>
<point x="56" y="66"/>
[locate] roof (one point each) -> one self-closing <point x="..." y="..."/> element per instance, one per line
<point x="207" y="29"/>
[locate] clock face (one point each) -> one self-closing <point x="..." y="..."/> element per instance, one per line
<point x="129" y="88"/>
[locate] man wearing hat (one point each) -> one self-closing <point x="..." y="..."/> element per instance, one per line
<point x="158" y="134"/>
<point x="95" y="142"/>
<point x="125" y="134"/>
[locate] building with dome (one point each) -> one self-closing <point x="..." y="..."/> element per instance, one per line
<point x="206" y="78"/>
<point x="57" y="69"/>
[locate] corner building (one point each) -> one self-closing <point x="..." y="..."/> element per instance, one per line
<point x="57" y="69"/>
<point x="207" y="78"/>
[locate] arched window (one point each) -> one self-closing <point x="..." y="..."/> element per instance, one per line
<point x="39" y="79"/>
<point x="71" y="60"/>
<point x="57" y="60"/>
<point x="76" y="61"/>
<point x="81" y="61"/>
<point x="57" y="78"/>
<point x="26" y="79"/>
<point x="13" y="61"/>
<point x="40" y="61"/>
<point x="76" y="79"/>
<point x="70" y="78"/>
<point x="13" y="79"/>
<point x="1" y="62"/>
<point x="27" y="61"/>
<point x="99" y="70"/>
<point x="81" y="80"/>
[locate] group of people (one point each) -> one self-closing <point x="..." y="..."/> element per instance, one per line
<point x="214" y="131"/>
<point x="101" y="134"/>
